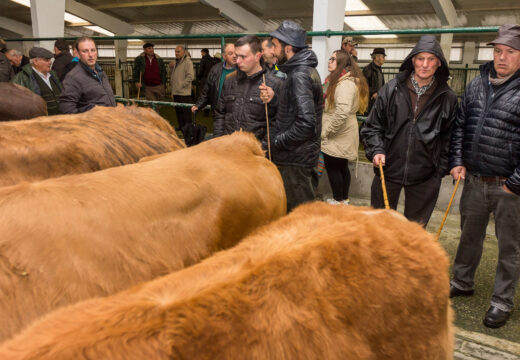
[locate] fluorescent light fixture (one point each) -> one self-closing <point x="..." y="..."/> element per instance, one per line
<point x="355" y="5"/>
<point x="365" y="22"/>
<point x="23" y="2"/>
<point x="74" y="19"/>
<point x="100" y="30"/>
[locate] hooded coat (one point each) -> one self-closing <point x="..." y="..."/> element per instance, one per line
<point x="486" y="135"/>
<point x="416" y="147"/>
<point x="298" y="121"/>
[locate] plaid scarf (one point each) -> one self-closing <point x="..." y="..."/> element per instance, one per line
<point x="420" y="90"/>
<point x="326" y="84"/>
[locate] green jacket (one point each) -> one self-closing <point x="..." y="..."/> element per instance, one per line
<point x="25" y="79"/>
<point x="140" y="66"/>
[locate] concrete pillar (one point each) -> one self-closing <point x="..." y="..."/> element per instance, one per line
<point x="120" y="47"/>
<point x="446" y="42"/>
<point x="47" y="21"/>
<point x="468" y="56"/>
<point x="328" y="15"/>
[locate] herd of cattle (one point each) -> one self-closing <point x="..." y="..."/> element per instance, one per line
<point x="118" y="242"/>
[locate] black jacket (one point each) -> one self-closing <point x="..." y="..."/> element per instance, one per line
<point x="415" y="148"/>
<point x="205" y="65"/>
<point x="298" y="122"/>
<point x="209" y="94"/>
<point x="486" y="135"/>
<point x="60" y="62"/>
<point x="240" y="107"/>
<point x="373" y="73"/>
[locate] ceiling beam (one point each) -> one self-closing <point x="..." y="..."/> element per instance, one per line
<point x="445" y="12"/>
<point x="16" y="27"/>
<point x="94" y="16"/>
<point x="237" y="14"/>
<point x="131" y="4"/>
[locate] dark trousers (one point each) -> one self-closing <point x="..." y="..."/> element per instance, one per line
<point x="478" y="200"/>
<point x="183" y="113"/>
<point x="299" y="183"/>
<point x="419" y="199"/>
<point x="339" y="176"/>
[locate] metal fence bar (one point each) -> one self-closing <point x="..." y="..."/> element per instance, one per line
<point x="328" y="33"/>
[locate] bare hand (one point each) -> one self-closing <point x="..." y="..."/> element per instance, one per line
<point x="266" y="93"/>
<point x="353" y="52"/>
<point x="506" y="189"/>
<point x="458" y="171"/>
<point x="194" y="108"/>
<point x="374" y="95"/>
<point x="379" y="158"/>
<point x="138" y="85"/>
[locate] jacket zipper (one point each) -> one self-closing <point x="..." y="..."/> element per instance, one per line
<point x="414" y="121"/>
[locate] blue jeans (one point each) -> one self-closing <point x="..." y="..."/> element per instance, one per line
<point x="478" y="200"/>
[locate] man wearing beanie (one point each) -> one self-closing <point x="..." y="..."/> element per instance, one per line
<point x="297" y="131"/>
<point x="485" y="152"/>
<point x="408" y="132"/>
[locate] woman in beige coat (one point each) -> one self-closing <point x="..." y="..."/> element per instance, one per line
<point x="345" y="92"/>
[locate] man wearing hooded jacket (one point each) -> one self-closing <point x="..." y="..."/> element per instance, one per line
<point x="297" y="131"/>
<point x="408" y="131"/>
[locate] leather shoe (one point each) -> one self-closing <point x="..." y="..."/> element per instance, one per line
<point x="495" y="317"/>
<point x="454" y="291"/>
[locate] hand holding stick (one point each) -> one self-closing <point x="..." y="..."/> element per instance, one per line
<point x="267" y="121"/>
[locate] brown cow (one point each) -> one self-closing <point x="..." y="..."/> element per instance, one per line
<point x="101" y="138"/>
<point x="324" y="282"/>
<point x="19" y="103"/>
<point x="79" y="236"/>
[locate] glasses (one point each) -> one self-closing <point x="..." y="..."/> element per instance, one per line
<point x="332" y="59"/>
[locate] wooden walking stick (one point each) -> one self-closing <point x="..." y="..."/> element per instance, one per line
<point x="139" y="89"/>
<point x="448" y="209"/>
<point x="385" y="196"/>
<point x="267" y="120"/>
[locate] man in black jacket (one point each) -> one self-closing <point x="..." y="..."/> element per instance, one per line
<point x="62" y="58"/>
<point x="240" y="106"/>
<point x="213" y="86"/>
<point x="408" y="131"/>
<point x="485" y="151"/>
<point x="373" y="72"/>
<point x="297" y="129"/>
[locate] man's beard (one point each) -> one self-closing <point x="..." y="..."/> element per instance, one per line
<point x="282" y="59"/>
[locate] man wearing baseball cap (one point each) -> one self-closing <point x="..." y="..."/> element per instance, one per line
<point x="349" y="45"/>
<point x="297" y="131"/>
<point x="38" y="77"/>
<point x="485" y="152"/>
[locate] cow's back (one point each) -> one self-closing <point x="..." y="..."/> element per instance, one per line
<point x="324" y="282"/>
<point x="104" y="137"/>
<point x="19" y="103"/>
<point x="79" y="236"/>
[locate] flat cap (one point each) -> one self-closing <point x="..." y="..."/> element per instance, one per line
<point x="39" y="52"/>
<point x="147" y="45"/>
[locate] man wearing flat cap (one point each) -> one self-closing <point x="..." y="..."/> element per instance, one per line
<point x="297" y="131"/>
<point x="374" y="74"/>
<point x="38" y="77"/>
<point x="150" y="73"/>
<point x="485" y="152"/>
<point x="349" y="45"/>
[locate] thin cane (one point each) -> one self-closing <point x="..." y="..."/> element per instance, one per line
<point x="139" y="89"/>
<point x="385" y="196"/>
<point x="267" y="120"/>
<point x="448" y="209"/>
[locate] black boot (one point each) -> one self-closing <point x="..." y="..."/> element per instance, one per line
<point x="495" y="317"/>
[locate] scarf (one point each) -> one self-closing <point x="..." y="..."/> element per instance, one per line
<point x="326" y="83"/>
<point x="499" y="81"/>
<point x="420" y="90"/>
